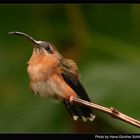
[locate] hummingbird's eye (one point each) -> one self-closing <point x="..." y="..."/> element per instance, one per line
<point x="48" y="48"/>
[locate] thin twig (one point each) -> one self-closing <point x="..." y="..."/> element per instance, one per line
<point x="111" y="111"/>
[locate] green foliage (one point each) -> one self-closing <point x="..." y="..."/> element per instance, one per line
<point x="102" y="39"/>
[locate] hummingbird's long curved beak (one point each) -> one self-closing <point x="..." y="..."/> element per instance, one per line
<point x="25" y="36"/>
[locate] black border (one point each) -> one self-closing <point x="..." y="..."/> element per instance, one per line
<point x="70" y="136"/>
<point x="70" y="1"/>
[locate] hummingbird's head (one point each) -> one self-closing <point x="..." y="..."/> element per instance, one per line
<point x="40" y="48"/>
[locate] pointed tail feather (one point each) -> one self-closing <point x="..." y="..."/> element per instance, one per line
<point x="79" y="112"/>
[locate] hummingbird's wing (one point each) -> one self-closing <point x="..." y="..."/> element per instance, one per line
<point x="75" y="84"/>
<point x="69" y="72"/>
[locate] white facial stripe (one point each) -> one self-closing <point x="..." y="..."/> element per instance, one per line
<point x="38" y="42"/>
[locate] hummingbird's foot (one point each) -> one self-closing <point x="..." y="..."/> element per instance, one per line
<point x="71" y="98"/>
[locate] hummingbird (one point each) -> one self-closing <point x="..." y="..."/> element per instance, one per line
<point x="52" y="75"/>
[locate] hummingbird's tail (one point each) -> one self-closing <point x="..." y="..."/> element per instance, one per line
<point x="79" y="112"/>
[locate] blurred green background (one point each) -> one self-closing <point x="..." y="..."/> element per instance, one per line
<point x="103" y="39"/>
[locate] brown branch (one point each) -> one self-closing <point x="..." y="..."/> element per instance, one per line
<point x="111" y="111"/>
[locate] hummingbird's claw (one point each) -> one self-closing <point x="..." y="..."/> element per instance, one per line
<point x="71" y="98"/>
